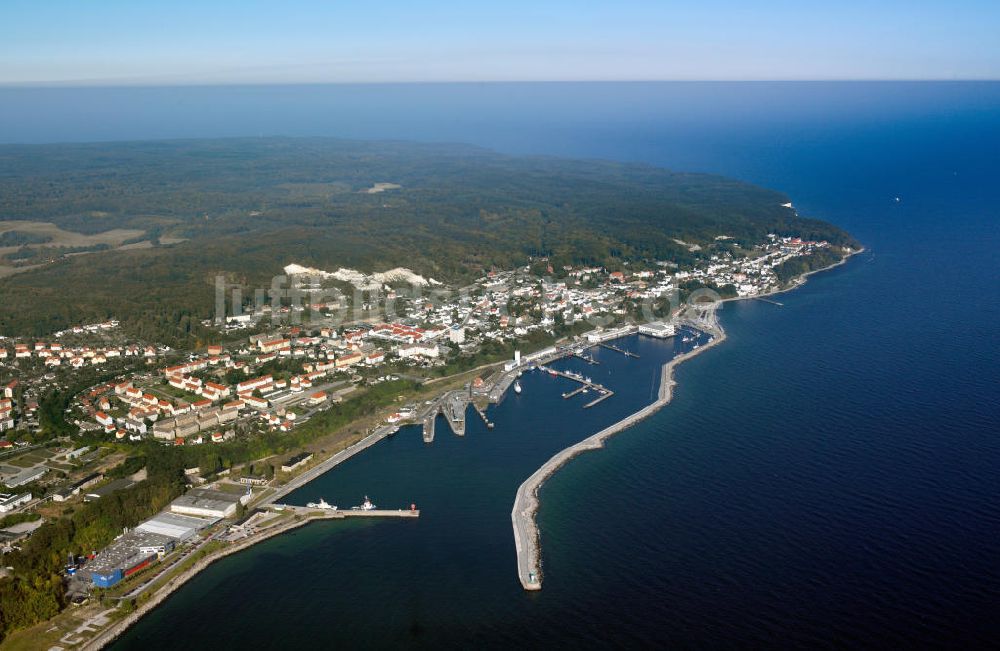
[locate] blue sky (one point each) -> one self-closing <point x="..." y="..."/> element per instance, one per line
<point x="250" y="41"/>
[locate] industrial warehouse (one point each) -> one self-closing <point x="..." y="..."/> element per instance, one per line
<point x="142" y="546"/>
<point x="132" y="552"/>
<point x="206" y="503"/>
<point x="179" y="527"/>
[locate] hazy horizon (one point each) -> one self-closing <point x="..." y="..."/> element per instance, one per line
<point x="114" y="43"/>
<point x="112" y="84"/>
<point x="460" y="112"/>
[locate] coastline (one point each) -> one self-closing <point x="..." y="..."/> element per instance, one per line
<point x="526" y="502"/>
<point x="799" y="280"/>
<point x="161" y="594"/>
<point x="300" y="517"/>
<point x="526" y="535"/>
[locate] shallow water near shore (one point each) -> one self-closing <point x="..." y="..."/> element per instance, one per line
<point x="829" y="475"/>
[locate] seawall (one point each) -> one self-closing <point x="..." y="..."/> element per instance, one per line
<point x="526" y="539"/>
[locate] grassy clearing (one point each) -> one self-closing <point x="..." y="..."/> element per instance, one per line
<point x="60" y="237"/>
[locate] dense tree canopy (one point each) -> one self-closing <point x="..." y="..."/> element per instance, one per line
<point x="247" y="207"/>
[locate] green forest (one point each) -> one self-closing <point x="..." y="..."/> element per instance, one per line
<point x="244" y="208"/>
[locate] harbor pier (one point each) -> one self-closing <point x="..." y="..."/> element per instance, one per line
<point x="526" y="538"/>
<point x="585" y="385"/>
<point x="626" y="353"/>
<point x="482" y="414"/>
<point x="339" y="514"/>
<point x="590" y="360"/>
<point x="429" y="421"/>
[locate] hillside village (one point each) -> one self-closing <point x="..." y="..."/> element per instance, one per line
<point x="73" y="404"/>
<point x="280" y="375"/>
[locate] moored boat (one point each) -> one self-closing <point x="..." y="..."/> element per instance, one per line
<point x="365" y="506"/>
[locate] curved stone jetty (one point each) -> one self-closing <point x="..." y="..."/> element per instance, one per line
<point x="522" y="516"/>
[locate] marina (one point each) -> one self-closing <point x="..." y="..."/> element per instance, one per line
<point x="559" y="363"/>
<point x="454" y="405"/>
<point x="626" y="353"/>
<point x="525" y="528"/>
<point x="586" y="386"/>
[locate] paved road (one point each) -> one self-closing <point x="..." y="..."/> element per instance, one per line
<point x="329" y="463"/>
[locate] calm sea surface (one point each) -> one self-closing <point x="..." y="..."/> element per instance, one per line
<point x="830" y="476"/>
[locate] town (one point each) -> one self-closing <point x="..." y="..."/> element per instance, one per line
<point x="79" y="408"/>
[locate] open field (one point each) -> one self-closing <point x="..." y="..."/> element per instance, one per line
<point x="56" y="237"/>
<point x="60" y="237"/>
<point x="6" y="270"/>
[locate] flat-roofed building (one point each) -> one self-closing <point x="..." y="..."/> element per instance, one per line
<point x="117" y="485"/>
<point x="205" y="502"/>
<point x="9" y="502"/>
<point x="657" y="329"/>
<point x="187" y="429"/>
<point x="165" y="429"/>
<point x="175" y="525"/>
<point x="25" y="476"/>
<point x="129" y="554"/>
<point x="66" y="492"/>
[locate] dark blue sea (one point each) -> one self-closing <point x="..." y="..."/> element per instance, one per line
<point x="828" y="477"/>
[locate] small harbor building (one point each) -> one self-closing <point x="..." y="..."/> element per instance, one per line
<point x="297" y="461"/>
<point x="658" y="329"/>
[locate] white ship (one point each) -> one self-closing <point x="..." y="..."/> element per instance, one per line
<point x="517" y="387"/>
<point x="321" y="504"/>
<point x="365" y="506"/>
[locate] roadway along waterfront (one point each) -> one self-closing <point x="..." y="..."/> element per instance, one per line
<point x="327" y="464"/>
